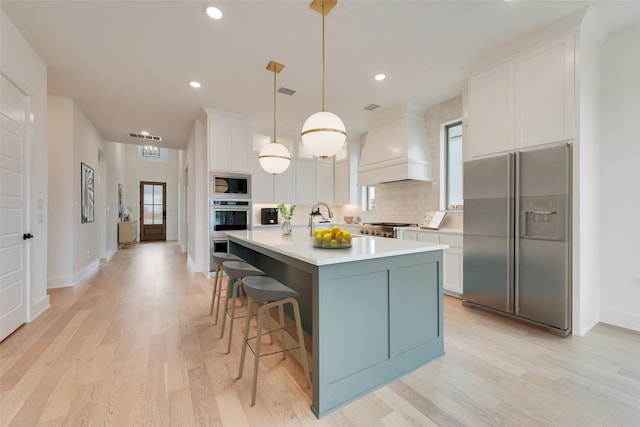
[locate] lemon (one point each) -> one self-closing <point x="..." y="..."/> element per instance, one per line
<point x="339" y="235"/>
<point x="317" y="233"/>
<point x="326" y="237"/>
<point x="334" y="243"/>
<point x="346" y="234"/>
<point x="335" y="229"/>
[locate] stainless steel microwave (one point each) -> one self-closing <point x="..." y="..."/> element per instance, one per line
<point x="228" y="185"/>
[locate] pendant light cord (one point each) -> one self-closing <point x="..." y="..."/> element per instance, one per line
<point x="323" y="56"/>
<point x="274" y="104"/>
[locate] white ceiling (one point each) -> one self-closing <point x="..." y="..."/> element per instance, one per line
<point x="127" y="63"/>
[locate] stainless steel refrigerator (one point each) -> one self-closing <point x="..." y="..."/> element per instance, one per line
<point x="517" y="236"/>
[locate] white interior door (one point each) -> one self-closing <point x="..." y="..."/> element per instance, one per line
<point x="13" y="200"/>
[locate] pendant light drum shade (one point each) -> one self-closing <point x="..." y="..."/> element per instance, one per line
<point x="323" y="134"/>
<point x="274" y="158"/>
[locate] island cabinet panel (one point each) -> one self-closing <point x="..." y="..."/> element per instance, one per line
<point x="359" y="323"/>
<point x="413" y="301"/>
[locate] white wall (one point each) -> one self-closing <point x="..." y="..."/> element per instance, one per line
<point x="116" y="174"/>
<point x="21" y="64"/>
<point x="620" y="289"/>
<point x="86" y="144"/>
<point x="60" y="258"/>
<point x="138" y="170"/>
<point x="74" y="248"/>
<point x="586" y="185"/>
<point x="196" y="161"/>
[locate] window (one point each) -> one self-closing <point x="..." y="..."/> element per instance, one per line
<point x="368" y="198"/>
<point x="451" y="176"/>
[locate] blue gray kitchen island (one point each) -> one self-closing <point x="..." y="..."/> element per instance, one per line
<point x="374" y="310"/>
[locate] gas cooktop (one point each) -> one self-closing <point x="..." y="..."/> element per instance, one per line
<point x="391" y="224"/>
<point x="382" y="229"/>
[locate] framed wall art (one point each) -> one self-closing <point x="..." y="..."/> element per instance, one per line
<point x="86" y="193"/>
<point x="121" y="202"/>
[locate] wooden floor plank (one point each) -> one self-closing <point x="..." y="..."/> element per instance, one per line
<point x="134" y="345"/>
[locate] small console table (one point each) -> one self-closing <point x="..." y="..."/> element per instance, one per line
<point x="127" y="233"/>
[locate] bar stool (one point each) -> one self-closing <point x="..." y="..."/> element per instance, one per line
<point x="271" y="293"/>
<point x="236" y="270"/>
<point x="218" y="259"/>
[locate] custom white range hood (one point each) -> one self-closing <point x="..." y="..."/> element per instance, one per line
<point x="396" y="147"/>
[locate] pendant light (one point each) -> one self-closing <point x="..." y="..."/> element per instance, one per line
<point x="323" y="133"/>
<point x="274" y="157"/>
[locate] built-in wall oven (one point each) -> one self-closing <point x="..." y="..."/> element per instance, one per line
<point x="227" y="215"/>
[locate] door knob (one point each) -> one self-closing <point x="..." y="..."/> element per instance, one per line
<point x="27" y="236"/>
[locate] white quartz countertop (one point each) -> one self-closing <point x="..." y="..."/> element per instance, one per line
<point x="299" y="245"/>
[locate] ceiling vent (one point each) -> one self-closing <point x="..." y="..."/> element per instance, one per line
<point x="286" y="91"/>
<point x="145" y="137"/>
<point x="371" y="107"/>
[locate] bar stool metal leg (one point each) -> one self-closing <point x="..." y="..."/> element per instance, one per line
<point x="217" y="284"/>
<point x="245" y="336"/>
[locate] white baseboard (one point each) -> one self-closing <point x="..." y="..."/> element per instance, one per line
<point x="584" y="329"/>
<point x="111" y="252"/>
<point x="620" y="318"/>
<point x="59" y="282"/>
<point x="76" y="279"/>
<point x="39" y="307"/>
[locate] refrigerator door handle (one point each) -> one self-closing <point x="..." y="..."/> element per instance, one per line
<point x="510" y="230"/>
<point x="516" y="233"/>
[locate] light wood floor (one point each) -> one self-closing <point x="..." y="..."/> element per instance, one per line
<point x="134" y="345"/>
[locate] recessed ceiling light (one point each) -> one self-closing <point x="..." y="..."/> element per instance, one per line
<point x="380" y="77"/>
<point x="144" y="132"/>
<point x="194" y="84"/>
<point x="213" y="12"/>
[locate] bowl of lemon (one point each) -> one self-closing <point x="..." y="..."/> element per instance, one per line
<point x="332" y="238"/>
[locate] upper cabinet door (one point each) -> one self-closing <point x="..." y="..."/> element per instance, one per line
<point x="491" y="110"/>
<point x="545" y="93"/>
<point x="228" y="141"/>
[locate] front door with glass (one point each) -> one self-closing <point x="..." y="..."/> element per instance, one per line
<point x="153" y="211"/>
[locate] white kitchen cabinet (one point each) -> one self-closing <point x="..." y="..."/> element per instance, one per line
<point x="228" y="141"/>
<point x="545" y="93"/>
<point x="426" y="236"/>
<point x="324" y="181"/>
<point x="408" y="235"/>
<point x="284" y="185"/>
<point x="492" y="110"/>
<point x="452" y="263"/>
<point x="524" y="101"/>
<point x="452" y="256"/>
<point x="314" y="181"/>
<point x="305" y="172"/>
<point x="261" y="181"/>
<point x="341" y="183"/>
<point x="346" y="172"/>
